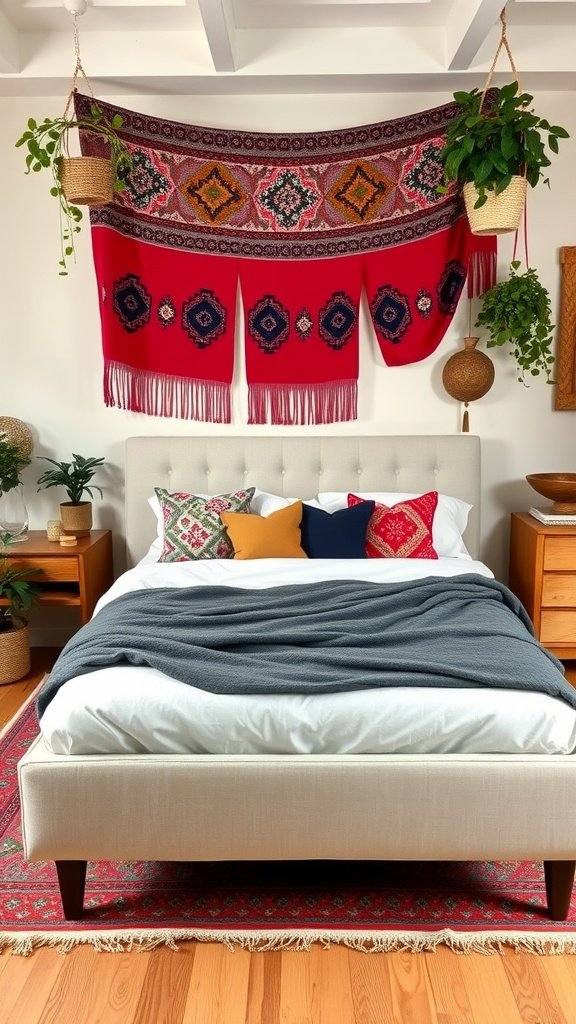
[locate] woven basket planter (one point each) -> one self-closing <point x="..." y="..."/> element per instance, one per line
<point x="501" y="213"/>
<point x="15" y="652"/>
<point x="76" y="519"/>
<point x="87" y="180"/>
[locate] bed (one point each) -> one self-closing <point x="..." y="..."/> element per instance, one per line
<point x="298" y="806"/>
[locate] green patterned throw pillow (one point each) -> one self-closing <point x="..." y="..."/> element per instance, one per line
<point x="192" y="525"/>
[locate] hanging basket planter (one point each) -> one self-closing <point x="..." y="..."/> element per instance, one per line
<point x="87" y="180"/>
<point x="502" y="211"/>
<point x="90" y="179"/>
<point x="494" y="148"/>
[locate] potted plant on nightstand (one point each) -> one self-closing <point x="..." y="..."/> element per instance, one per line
<point x="74" y="477"/>
<point x="19" y="595"/>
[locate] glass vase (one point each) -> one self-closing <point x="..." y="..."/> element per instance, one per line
<point x="14" y="514"/>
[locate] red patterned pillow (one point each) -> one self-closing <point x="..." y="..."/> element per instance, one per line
<point x="403" y="530"/>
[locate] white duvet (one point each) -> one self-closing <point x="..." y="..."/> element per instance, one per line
<point x="128" y="709"/>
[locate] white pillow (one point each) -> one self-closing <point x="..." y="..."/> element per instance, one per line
<point x="263" y="504"/>
<point x="449" y="522"/>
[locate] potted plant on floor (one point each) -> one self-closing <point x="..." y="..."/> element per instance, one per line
<point x="19" y="595"/>
<point x="493" y="150"/>
<point x="13" y="514"/>
<point x="77" y="180"/>
<point x="74" y="477"/>
<point x="518" y="312"/>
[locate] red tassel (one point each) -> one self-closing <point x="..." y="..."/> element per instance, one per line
<point x="481" y="272"/>
<point x="303" y="403"/>
<point x="158" y="394"/>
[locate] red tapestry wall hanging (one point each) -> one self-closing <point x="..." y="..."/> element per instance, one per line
<point x="303" y="222"/>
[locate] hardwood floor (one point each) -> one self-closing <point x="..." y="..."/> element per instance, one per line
<point x="204" y="983"/>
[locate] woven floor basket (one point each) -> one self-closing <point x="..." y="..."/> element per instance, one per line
<point x="501" y="213"/>
<point x="14" y="654"/>
<point x="87" y="180"/>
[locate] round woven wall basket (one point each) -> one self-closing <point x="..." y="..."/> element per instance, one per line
<point x="15" y="653"/>
<point x="17" y="433"/>
<point x="468" y="375"/>
<point x="87" y="180"/>
<point x="501" y="212"/>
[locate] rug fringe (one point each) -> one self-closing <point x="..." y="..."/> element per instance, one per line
<point x="144" y="940"/>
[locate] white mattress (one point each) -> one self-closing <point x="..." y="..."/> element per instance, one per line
<point x="128" y="709"/>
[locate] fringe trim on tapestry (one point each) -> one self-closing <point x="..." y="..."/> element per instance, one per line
<point x="303" y="403"/>
<point x="481" y="273"/>
<point x="142" y="940"/>
<point x="158" y="394"/>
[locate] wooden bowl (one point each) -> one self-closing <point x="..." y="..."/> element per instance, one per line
<point x="559" y="487"/>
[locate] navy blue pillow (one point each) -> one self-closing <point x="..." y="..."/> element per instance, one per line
<point x="338" y="535"/>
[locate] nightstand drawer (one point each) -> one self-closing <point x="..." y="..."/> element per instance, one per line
<point x="52" y="570"/>
<point x="560" y="553"/>
<point x="558" y="627"/>
<point x="559" y="590"/>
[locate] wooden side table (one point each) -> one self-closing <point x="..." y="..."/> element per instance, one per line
<point x="69" y="576"/>
<point x="542" y="574"/>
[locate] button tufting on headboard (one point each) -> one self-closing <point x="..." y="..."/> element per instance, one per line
<point x="302" y="465"/>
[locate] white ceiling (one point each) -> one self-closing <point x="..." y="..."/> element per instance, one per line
<point x="282" y="46"/>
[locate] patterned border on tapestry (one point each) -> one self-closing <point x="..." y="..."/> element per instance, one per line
<point x="289" y="196"/>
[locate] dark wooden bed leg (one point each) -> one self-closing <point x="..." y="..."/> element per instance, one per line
<point x="72" y="880"/>
<point x="559" y="875"/>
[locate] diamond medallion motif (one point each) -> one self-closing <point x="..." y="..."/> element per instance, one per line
<point x="213" y="193"/>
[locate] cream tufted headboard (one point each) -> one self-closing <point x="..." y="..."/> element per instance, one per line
<point x="297" y="467"/>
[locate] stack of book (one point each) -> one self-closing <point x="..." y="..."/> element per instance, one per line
<point x="552" y="518"/>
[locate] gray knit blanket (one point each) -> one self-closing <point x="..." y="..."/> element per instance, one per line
<point x="320" y="638"/>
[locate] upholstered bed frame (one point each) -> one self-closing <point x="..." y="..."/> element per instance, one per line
<point x="268" y="807"/>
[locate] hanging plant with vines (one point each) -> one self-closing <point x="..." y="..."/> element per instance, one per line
<point x="518" y="312"/>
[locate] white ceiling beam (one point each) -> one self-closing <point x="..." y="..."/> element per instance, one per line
<point x="218" y="20"/>
<point x="9" y="45"/>
<point x="467" y="26"/>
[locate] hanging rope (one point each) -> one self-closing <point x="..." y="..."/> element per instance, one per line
<point x="525" y="228"/>
<point x="78" y="70"/>
<point x="503" y="43"/>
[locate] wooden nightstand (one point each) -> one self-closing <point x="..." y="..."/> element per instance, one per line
<point x="72" y="577"/>
<point x="543" y="575"/>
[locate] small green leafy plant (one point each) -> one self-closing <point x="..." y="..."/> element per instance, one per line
<point x="488" y="144"/>
<point x="47" y="144"/>
<point x="14" y="587"/>
<point x="518" y="311"/>
<point x="73" y="476"/>
<point x="12" y="462"/>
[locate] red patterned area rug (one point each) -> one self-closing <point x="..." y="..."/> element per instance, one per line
<point x="371" y="906"/>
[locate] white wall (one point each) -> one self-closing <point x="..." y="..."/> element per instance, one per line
<point x="51" y="363"/>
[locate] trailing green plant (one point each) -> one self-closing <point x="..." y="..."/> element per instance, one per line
<point x="488" y="143"/>
<point x="47" y="144"/>
<point x="518" y="312"/>
<point x="14" y="588"/>
<point x="73" y="476"/>
<point x="12" y="462"/>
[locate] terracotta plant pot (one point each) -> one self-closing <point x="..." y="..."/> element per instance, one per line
<point x="76" y="519"/>
<point x="15" y="652"/>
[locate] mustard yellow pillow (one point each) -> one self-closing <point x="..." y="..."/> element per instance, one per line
<point x="273" y="536"/>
